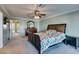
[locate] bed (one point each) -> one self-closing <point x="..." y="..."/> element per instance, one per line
<point x="55" y="34"/>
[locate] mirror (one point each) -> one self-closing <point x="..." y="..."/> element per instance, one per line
<point x="30" y="24"/>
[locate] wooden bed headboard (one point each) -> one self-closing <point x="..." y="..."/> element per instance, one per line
<point x="57" y="27"/>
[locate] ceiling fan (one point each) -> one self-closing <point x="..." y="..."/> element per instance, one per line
<point x="37" y="13"/>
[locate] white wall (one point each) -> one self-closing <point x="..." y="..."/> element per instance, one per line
<point x="1" y="30"/>
<point x="71" y="19"/>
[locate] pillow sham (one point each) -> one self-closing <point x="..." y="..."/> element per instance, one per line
<point x="51" y="32"/>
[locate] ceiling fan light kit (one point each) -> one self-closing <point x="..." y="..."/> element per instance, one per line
<point x="36" y="17"/>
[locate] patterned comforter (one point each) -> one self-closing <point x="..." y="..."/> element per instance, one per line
<point x="50" y="40"/>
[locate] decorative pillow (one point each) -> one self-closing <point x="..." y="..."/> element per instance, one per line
<point x="51" y="32"/>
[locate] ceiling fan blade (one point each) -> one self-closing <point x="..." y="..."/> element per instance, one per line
<point x="41" y="5"/>
<point x="43" y="14"/>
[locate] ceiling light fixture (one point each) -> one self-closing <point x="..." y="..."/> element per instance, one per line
<point x="36" y="17"/>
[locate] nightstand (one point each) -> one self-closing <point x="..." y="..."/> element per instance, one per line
<point x="74" y="41"/>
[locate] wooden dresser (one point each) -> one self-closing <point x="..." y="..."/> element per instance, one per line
<point x="30" y="30"/>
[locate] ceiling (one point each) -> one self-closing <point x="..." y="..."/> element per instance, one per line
<point x="51" y="10"/>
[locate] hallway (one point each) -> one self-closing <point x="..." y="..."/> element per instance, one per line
<point x="18" y="45"/>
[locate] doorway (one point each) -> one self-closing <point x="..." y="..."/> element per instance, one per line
<point x="14" y="25"/>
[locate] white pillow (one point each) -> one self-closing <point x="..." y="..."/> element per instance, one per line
<point x="51" y="31"/>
